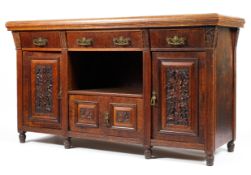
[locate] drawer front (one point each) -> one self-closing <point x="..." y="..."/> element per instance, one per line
<point x="105" y="39"/>
<point x="177" y="38"/>
<point x="40" y="39"/>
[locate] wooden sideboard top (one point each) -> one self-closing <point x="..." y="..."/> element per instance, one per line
<point x="128" y="22"/>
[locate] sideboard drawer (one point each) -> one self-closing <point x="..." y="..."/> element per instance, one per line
<point x="40" y="39"/>
<point x="105" y="39"/>
<point x="177" y="38"/>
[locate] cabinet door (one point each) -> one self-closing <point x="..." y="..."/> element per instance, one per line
<point x="178" y="79"/>
<point x="85" y="113"/>
<point x="41" y="89"/>
<point x="123" y="117"/>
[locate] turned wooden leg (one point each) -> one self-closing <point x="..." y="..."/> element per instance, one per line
<point x="67" y="143"/>
<point x="210" y="159"/>
<point x="230" y="146"/>
<point x="22" y="136"/>
<point x="148" y="152"/>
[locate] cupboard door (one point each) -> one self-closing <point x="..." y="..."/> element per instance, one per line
<point x="178" y="80"/>
<point x="124" y="117"/>
<point x="41" y="89"/>
<point x="85" y="112"/>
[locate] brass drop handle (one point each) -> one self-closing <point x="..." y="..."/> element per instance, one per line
<point x="107" y="119"/>
<point x="176" y="41"/>
<point x="60" y="94"/>
<point x="84" y="41"/>
<point x="153" y="99"/>
<point x="40" y="42"/>
<point x="121" y="41"/>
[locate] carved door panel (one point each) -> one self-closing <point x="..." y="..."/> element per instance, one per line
<point x="85" y="113"/>
<point x="123" y="117"/>
<point x="178" y="79"/>
<point x="41" y="102"/>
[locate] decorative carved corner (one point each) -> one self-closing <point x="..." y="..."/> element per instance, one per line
<point x="211" y="34"/>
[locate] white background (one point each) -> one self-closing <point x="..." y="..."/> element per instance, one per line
<point x="44" y="154"/>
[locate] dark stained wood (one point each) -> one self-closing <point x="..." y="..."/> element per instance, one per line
<point x="93" y="105"/>
<point x="209" y="98"/>
<point x="64" y="89"/>
<point x="67" y="143"/>
<point x="41" y="89"/>
<point x="17" y="40"/>
<point x="225" y="117"/>
<point x="190" y="35"/>
<point x="155" y="81"/>
<point x="230" y="146"/>
<point x="191" y="61"/>
<point x="129" y="22"/>
<point x="94" y="108"/>
<point x="22" y="136"/>
<point x="134" y="127"/>
<point x="20" y="119"/>
<point x="148" y="151"/>
<point x="53" y="39"/>
<point x="104" y="39"/>
<point x="147" y="98"/>
<point x="210" y="159"/>
<point x="170" y="143"/>
<point x="120" y="92"/>
<point x="43" y="130"/>
<point x="235" y="34"/>
<point x="106" y="138"/>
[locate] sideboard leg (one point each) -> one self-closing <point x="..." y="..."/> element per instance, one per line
<point x="67" y="143"/>
<point x="148" y="152"/>
<point x="22" y="136"/>
<point x="210" y="159"/>
<point x="230" y="146"/>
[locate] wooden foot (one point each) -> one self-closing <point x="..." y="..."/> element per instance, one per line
<point x="22" y="136"/>
<point x="67" y="143"/>
<point x="148" y="152"/>
<point x="230" y="146"/>
<point x="210" y="160"/>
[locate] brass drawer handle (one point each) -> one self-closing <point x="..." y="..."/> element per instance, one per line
<point x="153" y="99"/>
<point x="176" y="41"/>
<point x="121" y="41"/>
<point x="40" y="42"/>
<point x="84" y="41"/>
<point x="107" y="119"/>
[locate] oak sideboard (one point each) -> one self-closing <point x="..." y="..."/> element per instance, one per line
<point x="154" y="81"/>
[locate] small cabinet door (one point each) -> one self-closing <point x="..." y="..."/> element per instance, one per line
<point x="41" y="102"/>
<point x="178" y="79"/>
<point x="123" y="117"/>
<point x="85" y="113"/>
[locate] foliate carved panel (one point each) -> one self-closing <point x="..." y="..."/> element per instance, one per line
<point x="44" y="89"/>
<point x="86" y="113"/>
<point x="123" y="115"/>
<point x="177" y="101"/>
<point x="178" y="95"/>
